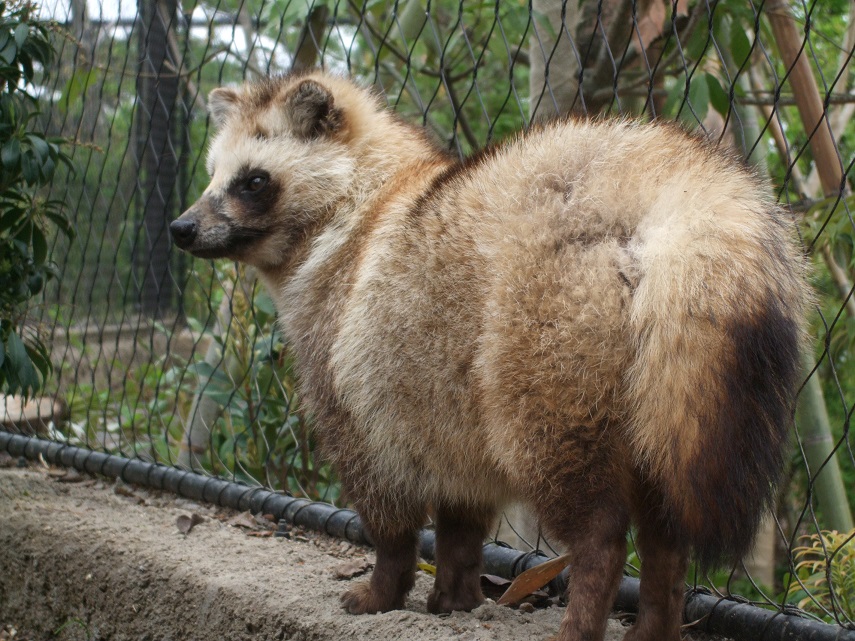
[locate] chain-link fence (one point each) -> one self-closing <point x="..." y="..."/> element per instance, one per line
<point x="177" y="361"/>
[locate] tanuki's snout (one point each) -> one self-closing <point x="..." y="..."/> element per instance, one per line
<point x="183" y="231"/>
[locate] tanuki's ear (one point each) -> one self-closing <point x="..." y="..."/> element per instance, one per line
<point x="222" y="103"/>
<point x="312" y="111"/>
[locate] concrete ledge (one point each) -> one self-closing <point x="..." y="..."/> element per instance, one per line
<point x="113" y="565"/>
<point x="82" y="558"/>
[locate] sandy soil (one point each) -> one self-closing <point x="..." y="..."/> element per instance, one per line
<point x="83" y="558"/>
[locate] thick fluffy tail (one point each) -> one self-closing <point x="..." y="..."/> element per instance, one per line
<point x="718" y="318"/>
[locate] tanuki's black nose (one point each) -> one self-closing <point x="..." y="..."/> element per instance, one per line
<point x="183" y="232"/>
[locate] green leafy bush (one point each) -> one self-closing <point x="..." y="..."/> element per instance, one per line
<point x="260" y="436"/>
<point x="825" y="566"/>
<point x="28" y="160"/>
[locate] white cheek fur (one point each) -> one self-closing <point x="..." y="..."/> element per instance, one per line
<point x="298" y="167"/>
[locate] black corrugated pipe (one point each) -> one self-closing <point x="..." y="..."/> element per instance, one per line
<point x="739" y="621"/>
<point x="322" y="517"/>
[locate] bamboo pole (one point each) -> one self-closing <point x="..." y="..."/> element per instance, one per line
<point x="818" y="447"/>
<point x="806" y="93"/>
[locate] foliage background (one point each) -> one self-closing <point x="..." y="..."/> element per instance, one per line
<point x="28" y="161"/>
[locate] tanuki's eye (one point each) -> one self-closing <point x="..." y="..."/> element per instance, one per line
<point x="256" y="182"/>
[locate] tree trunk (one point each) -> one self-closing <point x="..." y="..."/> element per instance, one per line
<point x="157" y="155"/>
<point x="554" y="70"/>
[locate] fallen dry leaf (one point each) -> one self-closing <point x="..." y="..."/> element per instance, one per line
<point x="533" y="579"/>
<point x="73" y="476"/>
<point x="427" y="567"/>
<point x="262" y="520"/>
<point x="123" y="489"/>
<point x="186" y="523"/>
<point x="244" y="519"/>
<point x="351" y="569"/>
<point x="260" y="533"/>
<point x="494" y="586"/>
<point x="66" y="475"/>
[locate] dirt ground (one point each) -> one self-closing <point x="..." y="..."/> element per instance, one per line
<point x="86" y="559"/>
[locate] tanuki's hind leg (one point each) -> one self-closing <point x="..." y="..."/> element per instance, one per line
<point x="460" y="534"/>
<point x="597" y="548"/>
<point x="663" y="575"/>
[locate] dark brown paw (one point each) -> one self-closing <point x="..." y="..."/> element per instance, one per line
<point x="637" y="633"/>
<point x="361" y="599"/>
<point x="440" y="602"/>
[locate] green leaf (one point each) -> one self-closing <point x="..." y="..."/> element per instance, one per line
<point x="717" y="95"/>
<point x="287" y="11"/>
<point x="48" y="167"/>
<point x="16" y="352"/>
<point x="2" y="353"/>
<point x="40" y="246"/>
<point x="27" y="64"/>
<point x="699" y="42"/>
<point x="11" y="219"/>
<point x="76" y="87"/>
<point x="202" y="369"/>
<point x="10" y="155"/>
<point x="23" y="235"/>
<point x="740" y="45"/>
<point x="699" y="99"/>
<point x="264" y="304"/>
<point x="675" y="97"/>
<point x="9" y="52"/>
<point x="60" y="221"/>
<point x="39" y="357"/>
<point x="222" y="398"/>
<point x="22" y="31"/>
<point x="30" y="168"/>
<point x="39" y="46"/>
<point x="40" y="146"/>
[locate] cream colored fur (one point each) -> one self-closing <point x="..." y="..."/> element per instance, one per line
<point x="689" y="221"/>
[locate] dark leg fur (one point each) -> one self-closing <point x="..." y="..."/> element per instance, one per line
<point x="594" y="532"/>
<point x="460" y="534"/>
<point x="583" y="494"/>
<point x="598" y="553"/>
<point x="392" y="579"/>
<point x="663" y="573"/>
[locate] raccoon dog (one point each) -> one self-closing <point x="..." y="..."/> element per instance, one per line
<point x="600" y="318"/>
